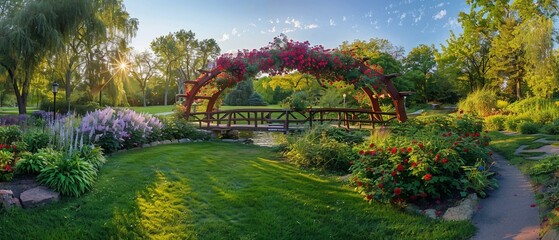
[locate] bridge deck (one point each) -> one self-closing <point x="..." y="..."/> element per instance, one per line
<point x="284" y="120"/>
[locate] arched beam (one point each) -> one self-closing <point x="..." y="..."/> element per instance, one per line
<point x="397" y="98"/>
<point x="191" y="95"/>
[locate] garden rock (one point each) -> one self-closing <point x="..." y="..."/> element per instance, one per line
<point x="432" y="213"/>
<point x="8" y="200"/>
<point x="464" y="211"/>
<point x="167" y="142"/>
<point x="412" y="208"/>
<point x="552" y="234"/>
<point x="38" y="196"/>
<point x="145" y="145"/>
<point x="184" y="140"/>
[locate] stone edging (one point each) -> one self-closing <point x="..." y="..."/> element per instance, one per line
<point x="463" y="211"/>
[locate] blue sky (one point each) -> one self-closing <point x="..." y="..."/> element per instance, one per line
<point x="251" y="24"/>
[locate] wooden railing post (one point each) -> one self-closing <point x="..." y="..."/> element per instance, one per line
<point x="286" y="123"/>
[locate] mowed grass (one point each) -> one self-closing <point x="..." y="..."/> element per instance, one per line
<point x="218" y="191"/>
<point x="15" y="111"/>
<point x="154" y="109"/>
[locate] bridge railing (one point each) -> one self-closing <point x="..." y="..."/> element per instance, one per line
<point x="285" y="119"/>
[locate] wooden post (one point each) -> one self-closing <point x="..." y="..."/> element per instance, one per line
<point x="286" y="123"/>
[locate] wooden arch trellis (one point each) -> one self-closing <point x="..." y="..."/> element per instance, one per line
<point x="282" y="56"/>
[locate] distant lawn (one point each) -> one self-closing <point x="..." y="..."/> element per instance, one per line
<point x="170" y="108"/>
<point x="154" y="109"/>
<point x="223" y="108"/>
<point x="218" y="191"/>
<point x="14" y="110"/>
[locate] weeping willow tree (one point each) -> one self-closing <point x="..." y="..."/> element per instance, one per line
<point x="32" y="30"/>
<point x="104" y="54"/>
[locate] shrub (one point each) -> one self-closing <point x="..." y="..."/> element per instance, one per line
<point x="528" y="128"/>
<point x="320" y="153"/>
<point x="317" y="148"/>
<point x="481" y="102"/>
<point x="495" y="123"/>
<point x="10" y="134"/>
<point x="532" y="104"/>
<point x="35" y="141"/>
<point x="256" y="100"/>
<point x="6" y="161"/>
<point x="552" y="129"/>
<point x="542" y="117"/>
<point x="113" y="130"/>
<point x="424" y="159"/>
<point x="512" y="122"/>
<point x="181" y="128"/>
<point x="70" y="175"/>
<point x="298" y="101"/>
<point x="502" y="104"/>
<point x="31" y="163"/>
<point x="546" y="166"/>
<point x="480" y="177"/>
<point x="92" y="155"/>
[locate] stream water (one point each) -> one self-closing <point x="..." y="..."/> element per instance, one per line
<point x="265" y="139"/>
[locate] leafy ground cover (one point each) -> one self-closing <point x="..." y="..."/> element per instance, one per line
<point x="218" y="191"/>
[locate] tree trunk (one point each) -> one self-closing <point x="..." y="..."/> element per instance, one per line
<point x="518" y="90"/>
<point x="68" y="88"/>
<point x="144" y="95"/>
<point x="167" y="84"/>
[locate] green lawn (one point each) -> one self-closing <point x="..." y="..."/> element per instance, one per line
<point x="170" y="108"/>
<point x="154" y="109"/>
<point x="14" y="110"/>
<point x="218" y="191"/>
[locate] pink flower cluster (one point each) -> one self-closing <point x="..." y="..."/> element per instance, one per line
<point x="283" y="56"/>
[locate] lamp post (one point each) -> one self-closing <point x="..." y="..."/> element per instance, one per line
<point x="344" y="95"/>
<point x="54" y="91"/>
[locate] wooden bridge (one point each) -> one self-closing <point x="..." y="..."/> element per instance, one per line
<point x="285" y="120"/>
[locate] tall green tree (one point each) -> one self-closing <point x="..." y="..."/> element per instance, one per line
<point x="143" y="68"/>
<point x="30" y="31"/>
<point x="421" y="60"/>
<point x="166" y="49"/>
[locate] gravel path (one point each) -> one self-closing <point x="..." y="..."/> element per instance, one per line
<point x="510" y="211"/>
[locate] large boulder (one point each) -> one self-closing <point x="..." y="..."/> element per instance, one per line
<point x="464" y="211"/>
<point x="38" y="196"/>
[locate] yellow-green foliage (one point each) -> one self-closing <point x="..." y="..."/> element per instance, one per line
<point x="494" y="123"/>
<point x="502" y="104"/>
<point x="481" y="102"/>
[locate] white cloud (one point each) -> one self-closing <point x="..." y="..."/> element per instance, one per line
<point x="273" y="30"/>
<point x="252" y="25"/>
<point x="271" y="21"/>
<point x="440" y="5"/>
<point x="296" y="23"/>
<point x="344" y="18"/>
<point x="440" y="14"/>
<point x="263" y="32"/>
<point x="224" y="37"/>
<point x="234" y="31"/>
<point x="418" y="18"/>
<point x="311" y="26"/>
<point x="389" y="20"/>
<point x="332" y="23"/>
<point x="277" y="20"/>
<point x="403" y="16"/>
<point x="452" y="23"/>
<point x="287" y="30"/>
